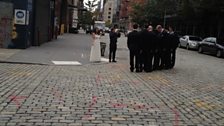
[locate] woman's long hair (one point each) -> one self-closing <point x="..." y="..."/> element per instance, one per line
<point x="96" y="31"/>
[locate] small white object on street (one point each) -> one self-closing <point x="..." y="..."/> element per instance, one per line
<point x="66" y="63"/>
<point x="104" y="60"/>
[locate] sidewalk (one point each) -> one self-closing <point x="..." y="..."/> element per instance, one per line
<point x="68" y="47"/>
<point x="7" y="53"/>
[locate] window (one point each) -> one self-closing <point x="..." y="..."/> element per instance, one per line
<point x="213" y="40"/>
<point x="109" y="8"/>
<point x="208" y="40"/>
<point x="195" y="38"/>
<point x="109" y="12"/>
<point x="109" y="17"/>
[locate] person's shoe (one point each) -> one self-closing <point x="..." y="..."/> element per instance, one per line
<point x="110" y="61"/>
<point x="114" y="61"/>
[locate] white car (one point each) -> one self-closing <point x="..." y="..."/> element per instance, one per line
<point x="190" y="42"/>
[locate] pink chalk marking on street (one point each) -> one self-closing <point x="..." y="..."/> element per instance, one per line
<point x="98" y="79"/>
<point x="136" y="82"/>
<point x="85" y="117"/>
<point x="117" y="105"/>
<point x="93" y="102"/>
<point x="16" y="99"/>
<point x="177" y="117"/>
<point x="57" y="94"/>
<point x="138" y="107"/>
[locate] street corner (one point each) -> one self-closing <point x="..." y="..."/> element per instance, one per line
<point x="7" y="53"/>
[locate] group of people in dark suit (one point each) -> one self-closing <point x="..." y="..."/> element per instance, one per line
<point x="152" y="50"/>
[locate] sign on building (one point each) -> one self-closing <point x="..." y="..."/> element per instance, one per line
<point x="20" y="17"/>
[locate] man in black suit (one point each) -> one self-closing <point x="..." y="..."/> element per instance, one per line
<point x="143" y="49"/>
<point x="113" y="45"/>
<point x="147" y="46"/>
<point x="134" y="48"/>
<point x="161" y="46"/>
<point x="174" y="41"/>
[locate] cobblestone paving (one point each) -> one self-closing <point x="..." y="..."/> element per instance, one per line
<point x="108" y="95"/>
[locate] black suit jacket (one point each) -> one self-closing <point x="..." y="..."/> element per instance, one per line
<point x="113" y="38"/>
<point x="148" y="40"/>
<point x="134" y="40"/>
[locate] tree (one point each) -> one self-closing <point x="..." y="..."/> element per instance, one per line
<point x="151" y="11"/>
<point x="86" y="18"/>
<point x="197" y="17"/>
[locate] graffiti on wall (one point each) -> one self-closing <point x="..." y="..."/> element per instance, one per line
<point x="6" y="15"/>
<point x="5" y="34"/>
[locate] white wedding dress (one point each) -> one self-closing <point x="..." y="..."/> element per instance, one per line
<point x="95" y="55"/>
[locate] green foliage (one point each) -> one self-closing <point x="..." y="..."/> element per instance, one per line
<point x="108" y="24"/>
<point x="86" y="18"/>
<point x="191" y="10"/>
<point x="138" y="14"/>
<point x="203" y="17"/>
<point x="152" y="10"/>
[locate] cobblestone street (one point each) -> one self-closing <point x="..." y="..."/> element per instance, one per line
<point x="108" y="94"/>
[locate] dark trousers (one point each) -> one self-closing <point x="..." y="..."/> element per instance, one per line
<point x="147" y="59"/>
<point x="134" y="57"/>
<point x="157" y="60"/>
<point x="112" y="53"/>
<point x="142" y="58"/>
<point x="167" y="59"/>
<point x="173" y="58"/>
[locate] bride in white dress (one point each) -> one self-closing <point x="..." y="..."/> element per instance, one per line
<point x="95" y="55"/>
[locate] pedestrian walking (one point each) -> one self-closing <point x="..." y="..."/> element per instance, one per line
<point x="95" y="55"/>
<point x="113" y="45"/>
<point x="133" y="43"/>
<point x="174" y="40"/>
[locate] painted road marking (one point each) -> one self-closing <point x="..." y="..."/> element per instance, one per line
<point x="66" y="63"/>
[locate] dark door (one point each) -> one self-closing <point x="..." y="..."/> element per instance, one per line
<point x="212" y="46"/>
<point x="205" y="44"/>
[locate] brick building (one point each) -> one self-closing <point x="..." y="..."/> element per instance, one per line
<point x="125" y="9"/>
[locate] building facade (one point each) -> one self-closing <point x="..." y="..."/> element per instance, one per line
<point x="109" y="8"/>
<point x="125" y="9"/>
<point x="6" y="18"/>
<point x="34" y="22"/>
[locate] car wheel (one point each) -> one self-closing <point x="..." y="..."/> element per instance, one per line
<point x="219" y="53"/>
<point x="187" y="47"/>
<point x="200" y="50"/>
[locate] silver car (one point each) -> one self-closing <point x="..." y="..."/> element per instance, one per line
<point x="190" y="42"/>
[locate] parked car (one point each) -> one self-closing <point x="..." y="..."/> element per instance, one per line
<point x="189" y="42"/>
<point x="88" y="29"/>
<point x="211" y="45"/>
